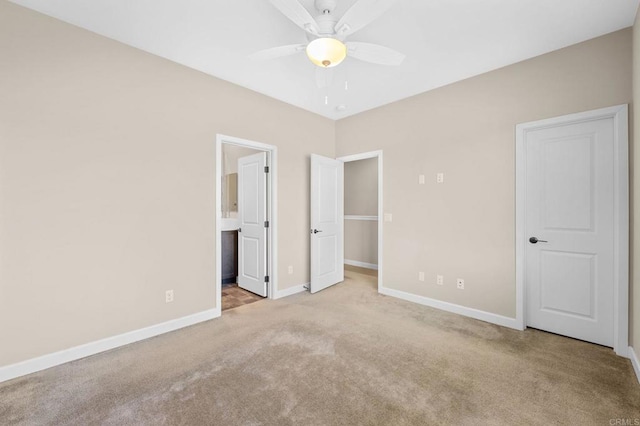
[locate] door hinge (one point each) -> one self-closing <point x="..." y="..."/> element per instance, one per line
<point x="266" y="279"/>
<point x="239" y="229"/>
<point x="266" y="223"/>
<point x="266" y="169"/>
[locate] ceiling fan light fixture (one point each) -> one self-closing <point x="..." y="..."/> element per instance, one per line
<point x="326" y="52"/>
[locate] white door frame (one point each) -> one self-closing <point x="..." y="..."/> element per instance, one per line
<point x="619" y="114"/>
<point x="272" y="211"/>
<point x="365" y="156"/>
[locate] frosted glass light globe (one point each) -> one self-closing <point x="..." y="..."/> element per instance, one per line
<point x="326" y="52"/>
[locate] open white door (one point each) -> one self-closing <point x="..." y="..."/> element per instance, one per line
<point x="570" y="218"/>
<point x="252" y="212"/>
<point x="327" y="222"/>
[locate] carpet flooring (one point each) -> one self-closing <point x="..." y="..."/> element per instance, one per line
<point x="344" y="356"/>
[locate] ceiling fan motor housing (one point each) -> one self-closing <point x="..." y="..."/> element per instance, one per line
<point x="326" y="25"/>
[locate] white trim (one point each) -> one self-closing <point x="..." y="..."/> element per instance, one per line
<point x="634" y="362"/>
<point x="356" y="217"/>
<point x="621" y="251"/>
<point x="77" y="352"/>
<point x="290" y="291"/>
<point x="453" y="308"/>
<point x="272" y="233"/>
<point x="361" y="264"/>
<point x="379" y="155"/>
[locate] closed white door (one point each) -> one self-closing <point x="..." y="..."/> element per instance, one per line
<point x="252" y="212"/>
<point x="327" y="222"/>
<point x="569" y="265"/>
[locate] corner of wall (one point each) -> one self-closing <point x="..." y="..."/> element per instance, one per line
<point x="634" y="317"/>
<point x="634" y="362"/>
<point x="335" y="138"/>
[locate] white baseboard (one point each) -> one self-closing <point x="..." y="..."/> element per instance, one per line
<point x="451" y="307"/>
<point x="361" y="264"/>
<point x="291" y="291"/>
<point x="635" y="362"/>
<point x="51" y="360"/>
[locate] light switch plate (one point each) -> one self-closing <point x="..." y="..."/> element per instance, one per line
<point x="421" y="179"/>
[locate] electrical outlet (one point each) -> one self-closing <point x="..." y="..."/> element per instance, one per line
<point x="290" y="269"/>
<point x="439" y="280"/>
<point x="460" y="283"/>
<point x="388" y="217"/>
<point x="440" y="178"/>
<point x="168" y="296"/>
<point x="420" y="276"/>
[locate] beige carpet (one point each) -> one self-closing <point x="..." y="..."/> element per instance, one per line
<point x="344" y="356"/>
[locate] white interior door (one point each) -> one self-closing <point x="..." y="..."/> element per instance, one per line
<point x="569" y="264"/>
<point x="327" y="222"/>
<point x="252" y="214"/>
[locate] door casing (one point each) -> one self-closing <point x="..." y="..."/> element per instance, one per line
<point x="619" y="114"/>
<point x="272" y="212"/>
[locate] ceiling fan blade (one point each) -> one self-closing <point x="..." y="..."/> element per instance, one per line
<point x="324" y="77"/>
<point x="361" y="14"/>
<point x="277" y="52"/>
<point x="293" y="10"/>
<point x="374" y="53"/>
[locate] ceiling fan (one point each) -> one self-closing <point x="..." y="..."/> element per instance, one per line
<point x="326" y="33"/>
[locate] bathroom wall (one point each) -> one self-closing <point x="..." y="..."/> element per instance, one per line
<point x="229" y="193"/>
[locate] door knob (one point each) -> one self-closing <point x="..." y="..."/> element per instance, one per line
<point x="534" y="240"/>
<point x="315" y="231"/>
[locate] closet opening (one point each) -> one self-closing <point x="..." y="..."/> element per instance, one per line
<point x="363" y="218"/>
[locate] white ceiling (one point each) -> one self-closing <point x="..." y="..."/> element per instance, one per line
<point x="444" y="40"/>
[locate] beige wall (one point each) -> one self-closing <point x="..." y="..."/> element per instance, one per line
<point x="361" y="187"/>
<point x="107" y="183"/>
<point x="635" y="149"/>
<point x="361" y="199"/>
<point x="361" y="241"/>
<point x="229" y="192"/>
<point x="464" y="228"/>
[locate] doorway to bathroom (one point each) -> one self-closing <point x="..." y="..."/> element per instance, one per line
<point x="246" y="222"/>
